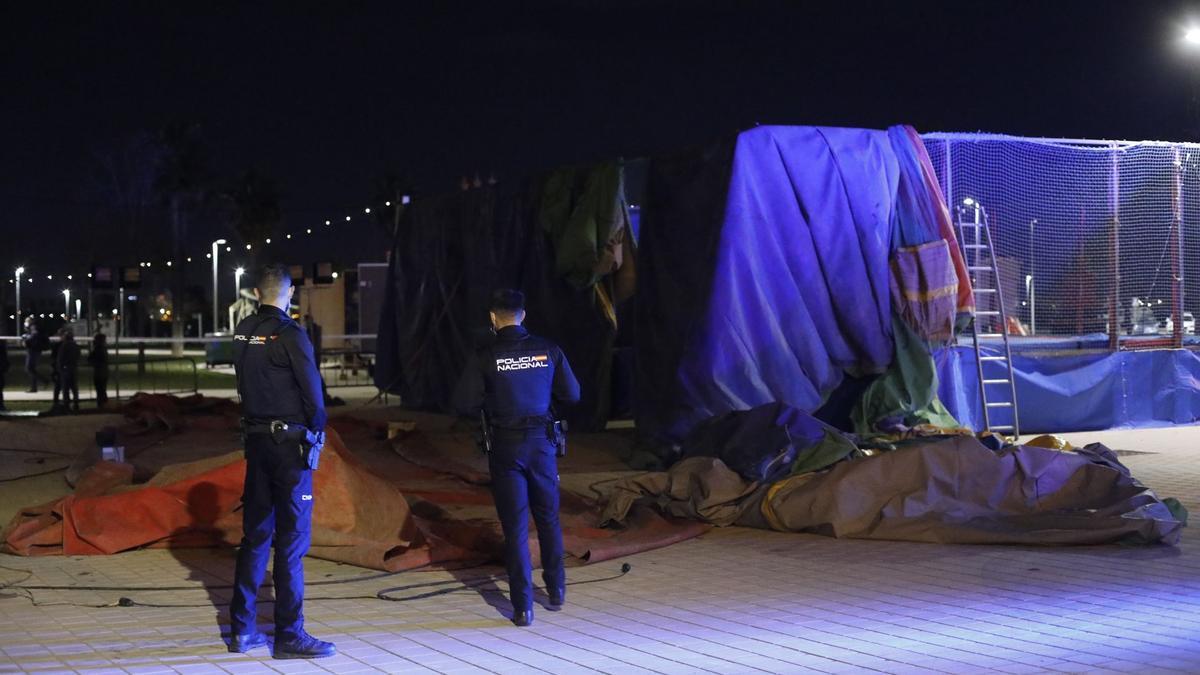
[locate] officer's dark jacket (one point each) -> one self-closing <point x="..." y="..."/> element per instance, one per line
<point x="515" y="380"/>
<point x="277" y="377"/>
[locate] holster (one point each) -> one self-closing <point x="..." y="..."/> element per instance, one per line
<point x="557" y="431"/>
<point x="485" y="434"/>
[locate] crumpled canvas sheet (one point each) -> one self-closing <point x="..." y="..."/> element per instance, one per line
<point x="455" y="503"/>
<point x="946" y="491"/>
<point x="427" y="508"/>
<point x="357" y="517"/>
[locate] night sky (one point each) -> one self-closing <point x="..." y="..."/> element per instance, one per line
<point x="327" y="98"/>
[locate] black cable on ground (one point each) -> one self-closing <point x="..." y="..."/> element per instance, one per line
<point x="461" y="586"/>
<point x="154" y="589"/>
<point x="34" y="475"/>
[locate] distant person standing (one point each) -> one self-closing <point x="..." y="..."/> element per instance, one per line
<point x="3" y="370"/>
<point x="313" y="330"/>
<point x="55" y="375"/>
<point x="34" y="343"/>
<point x="68" y="369"/>
<point x="98" y="359"/>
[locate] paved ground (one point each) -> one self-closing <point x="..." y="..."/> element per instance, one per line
<point x="733" y="601"/>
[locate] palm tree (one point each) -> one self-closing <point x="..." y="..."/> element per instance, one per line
<point x="254" y="198"/>
<point x="182" y="178"/>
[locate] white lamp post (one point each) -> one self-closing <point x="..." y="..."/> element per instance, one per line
<point x="19" y="272"/>
<point x="67" y="303"/>
<point x="237" y="280"/>
<point x="215" y="252"/>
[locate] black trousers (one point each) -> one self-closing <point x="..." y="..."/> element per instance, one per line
<point x="31" y="363"/>
<point x="100" y="382"/>
<point x="69" y="381"/>
<point x="524" y="483"/>
<point x="277" y="502"/>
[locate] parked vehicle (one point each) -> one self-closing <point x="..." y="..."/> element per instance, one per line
<point x="1167" y="325"/>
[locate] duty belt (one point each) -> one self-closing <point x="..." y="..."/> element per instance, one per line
<point x="519" y="434"/>
<point x="273" y="427"/>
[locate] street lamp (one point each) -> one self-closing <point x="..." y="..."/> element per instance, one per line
<point x="237" y="280"/>
<point x="215" y="253"/>
<point x="67" y="303"/>
<point x="20" y="271"/>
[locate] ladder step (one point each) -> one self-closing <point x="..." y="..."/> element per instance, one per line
<point x="987" y="312"/>
<point x="984" y="290"/>
<point x="974" y="245"/>
<point x="996" y="381"/>
<point x="993" y="358"/>
<point x="990" y="335"/>
<point x="999" y="405"/>
<point x="1001" y="427"/>
<point x="980" y="269"/>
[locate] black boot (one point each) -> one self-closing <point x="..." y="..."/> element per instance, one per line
<point x="523" y="618"/>
<point x="304" y="646"/>
<point x="243" y="643"/>
<point x="558" y="597"/>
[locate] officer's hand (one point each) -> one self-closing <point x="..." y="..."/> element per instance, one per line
<point x="316" y="439"/>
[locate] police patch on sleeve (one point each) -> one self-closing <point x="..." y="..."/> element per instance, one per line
<point x="523" y="362"/>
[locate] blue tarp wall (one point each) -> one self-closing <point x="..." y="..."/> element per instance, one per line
<point x="1088" y="390"/>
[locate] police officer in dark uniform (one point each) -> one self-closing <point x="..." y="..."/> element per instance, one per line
<point x="283" y="426"/>
<point x="514" y="382"/>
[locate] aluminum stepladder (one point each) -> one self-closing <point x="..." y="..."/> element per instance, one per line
<point x="989" y="320"/>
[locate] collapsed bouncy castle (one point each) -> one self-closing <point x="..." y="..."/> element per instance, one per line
<point x="768" y="317"/>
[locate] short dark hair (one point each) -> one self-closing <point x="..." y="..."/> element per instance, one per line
<point x="273" y="279"/>
<point x="508" y="301"/>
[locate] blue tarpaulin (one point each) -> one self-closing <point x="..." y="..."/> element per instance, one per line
<point x="1064" y="391"/>
<point x="780" y="288"/>
<point x="800" y="286"/>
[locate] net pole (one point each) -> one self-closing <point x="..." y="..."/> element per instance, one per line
<point x="950" y="203"/>
<point x="1114" y="203"/>
<point x="1177" y="251"/>
<point x="1031" y="282"/>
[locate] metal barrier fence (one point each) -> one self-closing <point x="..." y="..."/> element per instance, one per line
<point x="127" y="375"/>
<point x="343" y="360"/>
<point x="347" y="368"/>
<point x="143" y="365"/>
<point x="154" y="375"/>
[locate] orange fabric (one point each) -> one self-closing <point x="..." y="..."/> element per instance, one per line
<point x="357" y="518"/>
<point x="360" y="517"/>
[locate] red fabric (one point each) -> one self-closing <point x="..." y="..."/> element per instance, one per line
<point x="966" y="295"/>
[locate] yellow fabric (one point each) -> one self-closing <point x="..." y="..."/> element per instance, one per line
<point x="916" y="295"/>
<point x="1052" y="442"/>
<point x="768" y="511"/>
